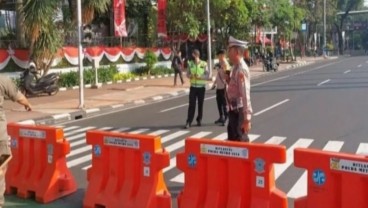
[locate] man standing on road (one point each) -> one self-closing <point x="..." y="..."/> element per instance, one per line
<point x="220" y="84"/>
<point x="177" y="65"/>
<point x="8" y="90"/>
<point x="198" y="74"/>
<point x="238" y="93"/>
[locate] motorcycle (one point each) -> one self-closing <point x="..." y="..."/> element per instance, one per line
<point x="270" y="64"/>
<point x="32" y="84"/>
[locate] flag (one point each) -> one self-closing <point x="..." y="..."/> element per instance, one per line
<point x="161" y="19"/>
<point x="119" y="18"/>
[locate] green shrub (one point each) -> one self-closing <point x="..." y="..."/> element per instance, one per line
<point x="89" y="76"/>
<point x="161" y="70"/>
<point x="123" y="76"/>
<point x="69" y="79"/>
<point x="150" y="59"/>
<point x="106" y="74"/>
<point x="141" y="71"/>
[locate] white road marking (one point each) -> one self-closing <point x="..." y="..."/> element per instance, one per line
<point x="359" y="66"/>
<point x="70" y="128"/>
<point x="183" y="105"/>
<point x="272" y="80"/>
<point x="300" y="187"/>
<point x="180" y="144"/>
<point x="138" y="131"/>
<point x="158" y="132"/>
<point x="271" y="107"/>
<point x="324" y="82"/>
<point x="223" y="136"/>
<point x="173" y="136"/>
<point x="362" y="149"/>
<point x="275" y="140"/>
<point x="280" y="168"/>
<point x="79" y="130"/>
<point x="347" y="71"/>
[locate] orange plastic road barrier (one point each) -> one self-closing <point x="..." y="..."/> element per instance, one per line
<point x="38" y="167"/>
<point x="126" y="171"/>
<point x="222" y="174"/>
<point x="335" y="180"/>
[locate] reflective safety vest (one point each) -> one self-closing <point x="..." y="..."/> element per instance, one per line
<point x="198" y="74"/>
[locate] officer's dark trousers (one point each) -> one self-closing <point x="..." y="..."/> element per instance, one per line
<point x="235" y="130"/>
<point x="221" y="103"/>
<point x="195" y="94"/>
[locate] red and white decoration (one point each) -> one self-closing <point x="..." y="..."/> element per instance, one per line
<point x="161" y="18"/>
<point x="119" y="18"/>
<point x="113" y="54"/>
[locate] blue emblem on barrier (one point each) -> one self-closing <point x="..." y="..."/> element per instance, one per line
<point x="192" y="160"/>
<point x="259" y="165"/>
<point x="319" y="177"/>
<point x="97" y="150"/>
<point x="146" y="158"/>
<point x="13" y="143"/>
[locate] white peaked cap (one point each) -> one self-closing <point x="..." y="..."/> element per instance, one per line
<point x="239" y="43"/>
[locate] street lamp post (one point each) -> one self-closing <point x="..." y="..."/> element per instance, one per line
<point x="209" y="47"/>
<point x="80" y="55"/>
<point x="324" y="28"/>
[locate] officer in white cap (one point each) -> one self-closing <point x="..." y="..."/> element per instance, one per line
<point x="238" y="93"/>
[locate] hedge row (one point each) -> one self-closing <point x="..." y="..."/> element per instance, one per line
<point x="108" y="74"/>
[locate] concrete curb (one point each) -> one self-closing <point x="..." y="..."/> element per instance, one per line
<point x="85" y="113"/>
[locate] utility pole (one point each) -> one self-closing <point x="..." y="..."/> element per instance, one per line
<point x="209" y="48"/>
<point x="324" y="29"/>
<point x="80" y="55"/>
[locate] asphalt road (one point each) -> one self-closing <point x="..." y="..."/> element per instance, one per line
<point x="320" y="106"/>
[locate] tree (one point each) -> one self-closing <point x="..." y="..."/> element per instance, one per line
<point x="20" y="27"/>
<point x="346" y="6"/>
<point x="42" y="34"/>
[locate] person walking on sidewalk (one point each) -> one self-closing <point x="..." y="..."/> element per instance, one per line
<point x="8" y="90"/>
<point x="238" y="93"/>
<point x="177" y="65"/>
<point x="222" y="67"/>
<point x="198" y="74"/>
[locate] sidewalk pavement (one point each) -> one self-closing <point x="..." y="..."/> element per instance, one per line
<point x="64" y="106"/>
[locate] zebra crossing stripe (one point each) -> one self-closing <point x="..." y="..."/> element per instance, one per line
<point x="280" y="168"/>
<point x="138" y="131"/>
<point x="121" y="130"/>
<point x="158" y="132"/>
<point x="79" y="130"/>
<point x="275" y="140"/>
<point x="70" y="128"/>
<point x="180" y="144"/>
<point x="300" y="187"/>
<point x="221" y="137"/>
<point x="362" y="149"/>
<point x="173" y="136"/>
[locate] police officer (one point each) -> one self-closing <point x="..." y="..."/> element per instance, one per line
<point x="8" y="90"/>
<point x="198" y="74"/>
<point x="238" y="93"/>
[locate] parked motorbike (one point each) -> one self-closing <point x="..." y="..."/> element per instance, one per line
<point x="32" y="84"/>
<point x="270" y="63"/>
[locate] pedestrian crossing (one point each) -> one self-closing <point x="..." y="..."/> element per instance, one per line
<point x="173" y="141"/>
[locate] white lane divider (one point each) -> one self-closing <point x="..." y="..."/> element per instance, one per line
<point x="359" y="66"/>
<point x="348" y="71"/>
<point x="324" y="82"/>
<point x="300" y="187"/>
<point x="271" y="107"/>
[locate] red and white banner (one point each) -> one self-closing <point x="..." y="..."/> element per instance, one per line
<point x="161" y="19"/>
<point x="119" y="18"/>
<point x="21" y="58"/>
